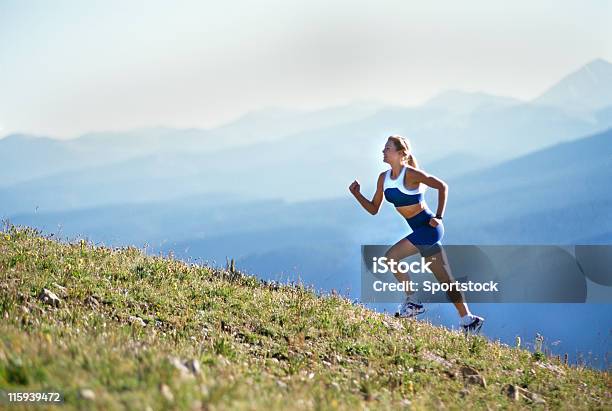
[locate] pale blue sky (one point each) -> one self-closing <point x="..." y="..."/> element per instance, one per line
<point x="69" y="67"/>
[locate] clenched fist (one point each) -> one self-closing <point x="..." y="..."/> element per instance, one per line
<point x="354" y="187"/>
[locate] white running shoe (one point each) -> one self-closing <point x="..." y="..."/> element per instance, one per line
<point x="409" y="309"/>
<point x="474" y="326"/>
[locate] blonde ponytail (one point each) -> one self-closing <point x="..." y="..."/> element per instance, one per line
<point x="412" y="161"/>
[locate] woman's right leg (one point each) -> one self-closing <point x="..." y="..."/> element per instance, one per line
<point x="441" y="268"/>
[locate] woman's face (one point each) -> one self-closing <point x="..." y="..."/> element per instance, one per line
<point x="390" y="154"/>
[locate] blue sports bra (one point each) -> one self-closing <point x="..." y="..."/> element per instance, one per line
<point x="396" y="193"/>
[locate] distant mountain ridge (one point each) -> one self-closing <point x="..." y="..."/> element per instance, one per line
<point x="586" y="89"/>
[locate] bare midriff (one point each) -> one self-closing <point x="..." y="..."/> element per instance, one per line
<point x="411" y="210"/>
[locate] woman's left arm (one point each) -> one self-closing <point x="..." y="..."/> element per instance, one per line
<point x="433" y="182"/>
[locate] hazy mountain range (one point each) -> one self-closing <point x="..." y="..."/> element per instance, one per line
<point x="556" y="195"/>
<point x="295" y="155"/>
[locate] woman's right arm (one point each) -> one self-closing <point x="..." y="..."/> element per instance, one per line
<point x="373" y="206"/>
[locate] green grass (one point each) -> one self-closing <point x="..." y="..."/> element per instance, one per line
<point x="260" y="346"/>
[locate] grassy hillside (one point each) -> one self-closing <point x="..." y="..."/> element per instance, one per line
<point x="133" y="331"/>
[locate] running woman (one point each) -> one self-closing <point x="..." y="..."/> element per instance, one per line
<point x="403" y="185"/>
